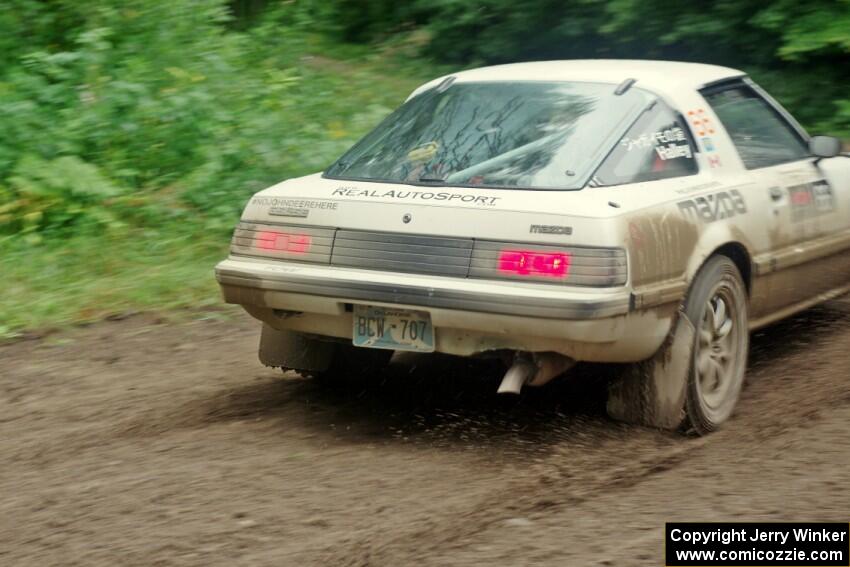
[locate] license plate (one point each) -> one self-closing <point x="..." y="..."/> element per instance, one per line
<point x="396" y="329"/>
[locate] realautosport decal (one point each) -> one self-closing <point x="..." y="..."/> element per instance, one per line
<point x="480" y="200"/>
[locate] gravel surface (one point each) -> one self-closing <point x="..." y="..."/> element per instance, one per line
<point x="147" y="443"/>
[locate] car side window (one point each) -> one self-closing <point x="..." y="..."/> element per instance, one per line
<point x="657" y="146"/>
<point x="761" y="135"/>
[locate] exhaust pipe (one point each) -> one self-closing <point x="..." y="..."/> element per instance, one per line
<point x="534" y="370"/>
<point x="520" y="372"/>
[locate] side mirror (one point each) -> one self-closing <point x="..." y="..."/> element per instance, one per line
<point x="824" y="146"/>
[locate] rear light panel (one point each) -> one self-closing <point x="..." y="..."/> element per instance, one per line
<point x="290" y="242"/>
<point x="441" y="256"/>
<point x="568" y="265"/>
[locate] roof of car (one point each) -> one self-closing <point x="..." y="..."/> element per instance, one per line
<point x="661" y="75"/>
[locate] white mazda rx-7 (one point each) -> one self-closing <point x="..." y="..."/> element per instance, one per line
<point x="643" y="212"/>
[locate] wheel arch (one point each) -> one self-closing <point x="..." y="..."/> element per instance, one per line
<point x="739" y="254"/>
<point x="723" y="243"/>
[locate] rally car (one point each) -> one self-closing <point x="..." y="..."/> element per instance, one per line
<point x="642" y="212"/>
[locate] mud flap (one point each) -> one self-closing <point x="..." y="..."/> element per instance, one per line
<point x="287" y="349"/>
<point x="653" y="392"/>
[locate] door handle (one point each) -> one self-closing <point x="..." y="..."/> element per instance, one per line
<point x="776" y="194"/>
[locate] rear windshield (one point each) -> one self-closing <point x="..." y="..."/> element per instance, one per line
<point x="536" y="135"/>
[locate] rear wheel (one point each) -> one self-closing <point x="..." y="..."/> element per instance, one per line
<point x="717" y="304"/>
<point x="694" y="381"/>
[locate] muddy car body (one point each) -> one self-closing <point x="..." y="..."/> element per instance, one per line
<point x="604" y="211"/>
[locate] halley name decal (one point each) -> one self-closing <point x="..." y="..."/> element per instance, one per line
<point x="480" y="200"/>
<point x="657" y="140"/>
<point x="673" y="151"/>
<point x="717" y="206"/>
<point x="550" y="229"/>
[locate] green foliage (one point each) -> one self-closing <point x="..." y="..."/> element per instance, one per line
<point x="56" y="193"/>
<point x="801" y="48"/>
<point x="160" y="104"/>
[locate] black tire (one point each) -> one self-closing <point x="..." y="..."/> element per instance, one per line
<point x="717" y="307"/>
<point x="673" y="389"/>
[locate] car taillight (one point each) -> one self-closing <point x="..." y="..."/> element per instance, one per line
<point x="283" y="241"/>
<point x="549" y="263"/>
<point x="293" y="243"/>
<point x="534" y="263"/>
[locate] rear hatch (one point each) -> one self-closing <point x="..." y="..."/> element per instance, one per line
<point x="546" y="235"/>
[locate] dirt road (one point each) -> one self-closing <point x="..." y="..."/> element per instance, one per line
<point x="141" y="443"/>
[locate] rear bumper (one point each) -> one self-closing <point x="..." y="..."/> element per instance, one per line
<point x="470" y="316"/>
<point x="508" y="298"/>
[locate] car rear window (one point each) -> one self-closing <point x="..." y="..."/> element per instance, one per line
<point x="536" y="135"/>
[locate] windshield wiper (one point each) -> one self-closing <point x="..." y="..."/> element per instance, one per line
<point x="427" y="179"/>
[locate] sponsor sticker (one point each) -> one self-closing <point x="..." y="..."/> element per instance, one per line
<point x="293" y="206"/>
<point x="405" y="195"/>
<point x="811" y="200"/>
<point x="668" y="136"/>
<point x="289" y="212"/>
<point x="670" y="143"/>
<point x="701" y="122"/>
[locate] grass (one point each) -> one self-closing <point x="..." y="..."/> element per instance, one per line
<point x="64" y="281"/>
<point x="88" y="278"/>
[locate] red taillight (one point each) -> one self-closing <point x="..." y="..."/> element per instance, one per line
<point x="534" y="263"/>
<point x="283" y="242"/>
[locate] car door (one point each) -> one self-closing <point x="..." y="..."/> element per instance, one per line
<point x="808" y="202"/>
<point x="837" y="171"/>
<point x="829" y="203"/>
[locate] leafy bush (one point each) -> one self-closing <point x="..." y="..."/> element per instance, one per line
<point x="800" y="49"/>
<point x="148" y="109"/>
<point x="57" y="193"/>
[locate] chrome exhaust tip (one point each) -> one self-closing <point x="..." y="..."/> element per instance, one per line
<point x="521" y="371"/>
<point x="534" y="370"/>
